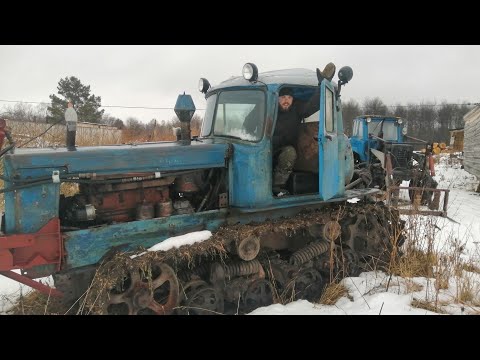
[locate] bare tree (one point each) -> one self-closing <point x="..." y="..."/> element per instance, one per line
<point x="413" y="119"/>
<point x="427" y="122"/>
<point x="25" y="112"/>
<point x="461" y="110"/>
<point x="134" y="125"/>
<point x="374" y="106"/>
<point x="446" y="113"/>
<point x="400" y="111"/>
<point x="109" y="120"/>
<point x="196" y="124"/>
<point x="350" y="110"/>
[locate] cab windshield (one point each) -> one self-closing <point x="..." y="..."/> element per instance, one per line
<point x="237" y="114"/>
<point x="357" y="129"/>
<point x="389" y="129"/>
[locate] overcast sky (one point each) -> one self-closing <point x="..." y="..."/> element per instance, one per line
<point x="153" y="76"/>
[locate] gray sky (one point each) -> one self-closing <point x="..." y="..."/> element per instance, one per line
<point x="153" y="76"/>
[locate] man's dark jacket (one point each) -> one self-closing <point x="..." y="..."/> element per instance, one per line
<point x="286" y="130"/>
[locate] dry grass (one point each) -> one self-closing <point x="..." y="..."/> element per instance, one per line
<point x="332" y="293"/>
<point x="415" y="263"/>
<point x="411" y="286"/>
<point x="427" y="305"/>
<point x="36" y="303"/>
<point x="69" y="189"/>
<point x="442" y="261"/>
<point x="470" y="267"/>
<point x="467" y="290"/>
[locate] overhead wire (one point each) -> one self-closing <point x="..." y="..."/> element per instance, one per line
<point x="101" y="106"/>
<point x="172" y="108"/>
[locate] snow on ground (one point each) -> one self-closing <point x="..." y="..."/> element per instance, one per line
<point x="461" y="228"/>
<point x="368" y="296"/>
<point x="11" y="290"/>
<point x="376" y="293"/>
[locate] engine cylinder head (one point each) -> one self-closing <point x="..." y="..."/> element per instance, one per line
<point x="145" y="211"/>
<point x="163" y="209"/>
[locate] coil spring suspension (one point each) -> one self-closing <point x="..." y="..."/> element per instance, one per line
<point x="243" y="268"/>
<point x="309" y="252"/>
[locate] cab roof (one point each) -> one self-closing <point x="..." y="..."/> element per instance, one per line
<point x="296" y="76"/>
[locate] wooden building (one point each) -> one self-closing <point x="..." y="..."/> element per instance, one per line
<point x="456" y="139"/>
<point x="471" y="146"/>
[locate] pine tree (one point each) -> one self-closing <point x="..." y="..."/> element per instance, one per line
<point x="85" y="104"/>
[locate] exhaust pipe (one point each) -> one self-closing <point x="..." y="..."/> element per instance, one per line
<point x="71" y="120"/>
<point x="185" y="108"/>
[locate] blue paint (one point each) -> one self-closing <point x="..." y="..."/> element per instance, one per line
<point x="330" y="146"/>
<point x="184" y="108"/>
<point x="115" y="159"/>
<point x="250" y="175"/>
<point x="85" y="247"/>
<point x="31" y="208"/>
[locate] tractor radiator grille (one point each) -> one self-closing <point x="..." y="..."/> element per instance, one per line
<point x="401" y="156"/>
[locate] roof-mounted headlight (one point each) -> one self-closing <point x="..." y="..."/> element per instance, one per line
<point x="369" y="119"/>
<point x="399" y="121"/>
<point x="203" y="85"/>
<point x="250" y="72"/>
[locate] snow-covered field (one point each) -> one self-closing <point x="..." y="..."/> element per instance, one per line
<point x="376" y="292"/>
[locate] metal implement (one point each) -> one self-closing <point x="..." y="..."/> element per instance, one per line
<point x="421" y="197"/>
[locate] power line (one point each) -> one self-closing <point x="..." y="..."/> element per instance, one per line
<point x="397" y="106"/>
<point x="171" y="108"/>
<point x="106" y="106"/>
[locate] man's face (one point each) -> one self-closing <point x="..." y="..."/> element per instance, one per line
<point x="285" y="102"/>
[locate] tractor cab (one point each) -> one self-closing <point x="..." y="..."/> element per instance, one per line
<point x="243" y="111"/>
<point x="373" y="132"/>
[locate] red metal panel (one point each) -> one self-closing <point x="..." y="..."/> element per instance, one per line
<point x="6" y="260"/>
<point x="41" y="248"/>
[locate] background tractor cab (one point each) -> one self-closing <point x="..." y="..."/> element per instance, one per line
<point x="372" y="131"/>
<point x="384" y="155"/>
<point x="243" y="111"/>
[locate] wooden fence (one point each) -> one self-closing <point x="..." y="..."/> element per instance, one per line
<point x="46" y="135"/>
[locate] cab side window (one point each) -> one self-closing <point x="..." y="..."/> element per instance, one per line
<point x="329" y="120"/>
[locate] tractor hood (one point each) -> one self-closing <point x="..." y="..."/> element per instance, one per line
<point x="115" y="159"/>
